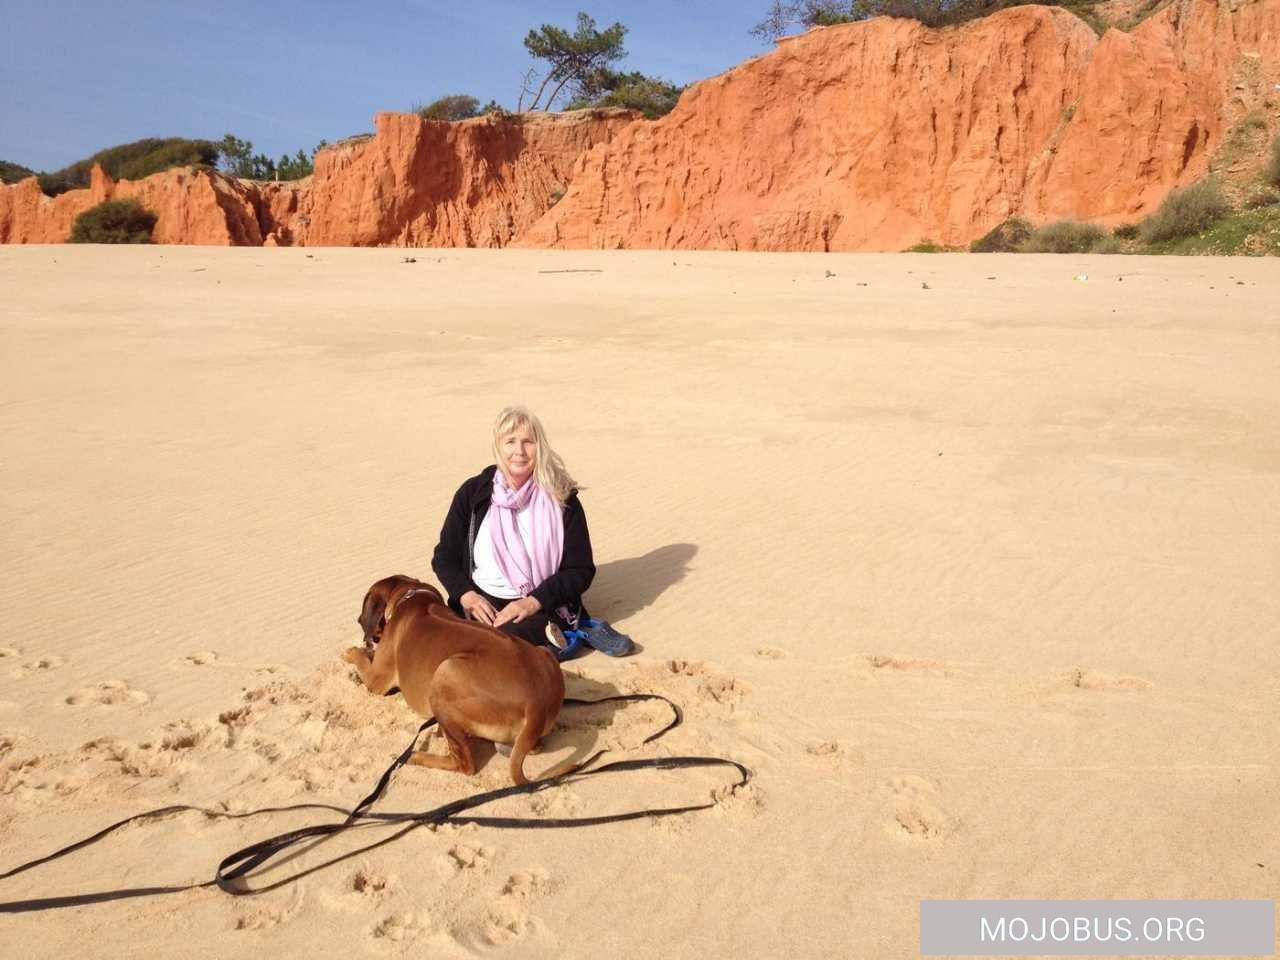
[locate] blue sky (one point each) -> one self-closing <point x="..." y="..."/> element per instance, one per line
<point x="77" y="77"/>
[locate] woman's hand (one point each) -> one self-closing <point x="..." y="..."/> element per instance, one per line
<point x="517" y="610"/>
<point x="477" y="607"/>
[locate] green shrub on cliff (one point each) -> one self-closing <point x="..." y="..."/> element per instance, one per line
<point x="1064" y="236"/>
<point x="1185" y="212"/>
<point x="1271" y="171"/>
<point x="604" y="87"/>
<point x="132" y="161"/>
<point x="1007" y="237"/>
<point x="453" y="107"/>
<point x="115" y="221"/>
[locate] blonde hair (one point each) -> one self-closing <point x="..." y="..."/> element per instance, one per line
<point x="549" y="469"/>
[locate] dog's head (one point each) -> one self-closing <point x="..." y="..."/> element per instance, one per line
<point x="379" y="604"/>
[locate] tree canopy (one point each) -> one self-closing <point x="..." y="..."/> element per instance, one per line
<point x="132" y="161"/>
<point x="570" y="57"/>
<point x="453" y="106"/>
<point x="239" y="160"/>
<point x="604" y="87"/>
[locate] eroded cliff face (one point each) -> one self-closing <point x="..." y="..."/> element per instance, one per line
<point x="863" y="136"/>
<point x="866" y="136"/>
<point x="877" y="135"/>
<point x="479" y="183"/>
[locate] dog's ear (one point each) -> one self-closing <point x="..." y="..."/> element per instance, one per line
<point x="372" y="613"/>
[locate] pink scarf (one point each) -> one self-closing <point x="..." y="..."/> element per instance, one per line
<point x="525" y="568"/>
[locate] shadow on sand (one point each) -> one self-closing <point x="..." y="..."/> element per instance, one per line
<point x="625" y="587"/>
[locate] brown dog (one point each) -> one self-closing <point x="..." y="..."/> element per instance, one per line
<point x="475" y="680"/>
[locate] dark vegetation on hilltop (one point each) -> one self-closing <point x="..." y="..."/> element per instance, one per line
<point x="13" y="172"/>
<point x="132" y="161"/>
<point x="784" y="15"/>
<point x="451" y="107"/>
<point x="142" y="158"/>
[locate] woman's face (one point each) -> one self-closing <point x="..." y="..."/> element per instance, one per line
<point x="518" y="452"/>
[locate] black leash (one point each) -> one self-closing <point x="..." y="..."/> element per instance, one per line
<point x="232" y="870"/>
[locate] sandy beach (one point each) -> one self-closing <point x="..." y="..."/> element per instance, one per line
<point x="972" y="560"/>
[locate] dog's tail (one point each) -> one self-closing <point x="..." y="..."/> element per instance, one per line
<point x="526" y="741"/>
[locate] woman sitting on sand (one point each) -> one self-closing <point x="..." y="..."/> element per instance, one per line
<point x="514" y="551"/>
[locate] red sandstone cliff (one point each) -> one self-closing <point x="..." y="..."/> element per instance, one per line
<point x="867" y="136"/>
<point x="874" y="136"/>
<point x="477" y="183"/>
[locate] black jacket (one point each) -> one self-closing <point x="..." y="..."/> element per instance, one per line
<point x="454" y="557"/>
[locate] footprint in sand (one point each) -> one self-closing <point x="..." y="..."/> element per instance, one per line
<point x="559" y="802"/>
<point x="508" y="919"/>
<point x="720" y="689"/>
<point x="108" y="693"/>
<point x="1092" y="680"/>
<point x="368" y="882"/>
<point x="265" y="917"/>
<point x="396" y="927"/>
<point x="201" y="659"/>
<point x="823" y="748"/>
<point x="183" y="735"/>
<point x="723" y="689"/>
<point x="466" y="857"/>
<point x="770" y="653"/>
<point x="739" y="801"/>
<point x="916" y="811"/>
<point x="880" y="662"/>
<point x="528" y="884"/>
<point x="10" y="655"/>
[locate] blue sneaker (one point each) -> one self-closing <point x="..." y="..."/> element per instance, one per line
<point x="565" y="644"/>
<point x="599" y="635"/>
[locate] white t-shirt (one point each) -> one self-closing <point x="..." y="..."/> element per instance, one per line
<point x="487" y="574"/>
